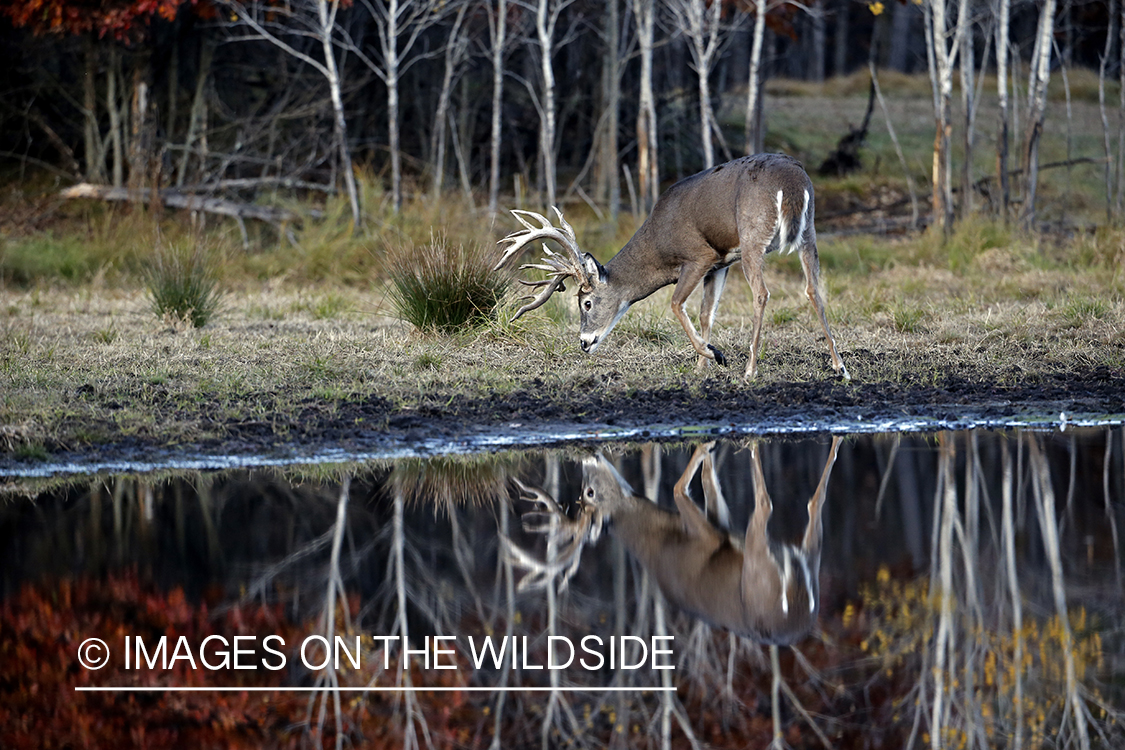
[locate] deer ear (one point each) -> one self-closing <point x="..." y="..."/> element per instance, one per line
<point x="594" y="269"/>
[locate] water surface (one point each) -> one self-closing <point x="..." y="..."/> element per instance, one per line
<point x="1016" y="528"/>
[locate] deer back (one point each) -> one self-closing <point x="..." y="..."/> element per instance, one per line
<point x="713" y="212"/>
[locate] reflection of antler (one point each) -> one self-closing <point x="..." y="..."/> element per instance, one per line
<point x="568" y="537"/>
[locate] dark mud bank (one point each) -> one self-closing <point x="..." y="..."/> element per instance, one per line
<point x="596" y="411"/>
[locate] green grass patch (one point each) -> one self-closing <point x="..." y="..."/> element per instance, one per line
<point x="442" y="287"/>
<point x="183" y="284"/>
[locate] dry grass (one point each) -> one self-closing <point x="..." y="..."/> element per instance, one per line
<point x="90" y="366"/>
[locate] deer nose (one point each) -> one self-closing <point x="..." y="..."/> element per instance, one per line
<point x="589" y="344"/>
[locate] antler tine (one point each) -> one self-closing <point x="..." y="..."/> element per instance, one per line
<point x="562" y="234"/>
<point x="549" y="288"/>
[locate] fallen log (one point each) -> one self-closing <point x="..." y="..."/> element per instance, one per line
<point x="176" y="199"/>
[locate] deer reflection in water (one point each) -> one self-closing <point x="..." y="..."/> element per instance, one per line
<point x="754" y="586"/>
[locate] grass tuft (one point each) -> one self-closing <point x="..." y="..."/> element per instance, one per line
<point x="183" y="284"/>
<point x="445" y="288"/>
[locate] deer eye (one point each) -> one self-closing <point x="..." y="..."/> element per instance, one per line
<point x="590" y="493"/>
<point x="587" y="305"/>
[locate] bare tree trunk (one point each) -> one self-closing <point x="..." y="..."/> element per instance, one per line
<point x="173" y="90"/>
<point x="647" y="157"/>
<point x="498" y="36"/>
<point x="111" y="103"/>
<point x="140" y="143"/>
<point x="1003" y="15"/>
<point x="819" y="42"/>
<point x="942" y="57"/>
<point x="95" y="163"/>
<point x="1102" y="109"/>
<point x="455" y="50"/>
<point x="840" y="67"/>
<point x="197" y="118"/>
<point x="389" y="40"/>
<point x="701" y="25"/>
<point x="326" y="13"/>
<point x="546" y="17"/>
<point x="754" y="133"/>
<point x="608" y="176"/>
<point x="1036" y="107"/>
<point x="968" y="105"/>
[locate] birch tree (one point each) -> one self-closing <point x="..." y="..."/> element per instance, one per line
<point x="547" y="15"/>
<point x="754" y="135"/>
<point x="456" y="50"/>
<point x="703" y="27"/>
<point x="498" y="43"/>
<point x="607" y="175"/>
<point x="647" y="163"/>
<point x="1103" y="63"/>
<point x="400" y="24"/>
<point x="282" y="26"/>
<point x="1003" y="10"/>
<point x="942" y="46"/>
<point x="1038" y="78"/>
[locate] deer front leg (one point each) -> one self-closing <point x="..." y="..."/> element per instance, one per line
<point x="717" y="509"/>
<point x="690" y="277"/>
<point x="713" y="284"/>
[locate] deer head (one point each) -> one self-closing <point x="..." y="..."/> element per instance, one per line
<point x="600" y="304"/>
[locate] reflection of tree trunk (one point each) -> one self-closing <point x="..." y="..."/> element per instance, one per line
<point x="1045" y="505"/>
<point x="1009" y="547"/>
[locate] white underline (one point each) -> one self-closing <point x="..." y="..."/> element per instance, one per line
<point x="446" y="689"/>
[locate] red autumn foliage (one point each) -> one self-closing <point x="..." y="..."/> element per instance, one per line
<point x="40" y="632"/>
<point x="121" y="19"/>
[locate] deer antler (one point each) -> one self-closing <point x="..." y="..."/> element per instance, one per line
<point x="557" y="265"/>
<point x="569" y="536"/>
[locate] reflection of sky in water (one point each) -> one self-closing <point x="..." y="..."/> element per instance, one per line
<point x="436" y="549"/>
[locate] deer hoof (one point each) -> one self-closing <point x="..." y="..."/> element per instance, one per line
<point x="720" y="358"/>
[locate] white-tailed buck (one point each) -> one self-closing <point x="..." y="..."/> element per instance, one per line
<point x="753" y="586"/>
<point x="699" y="227"/>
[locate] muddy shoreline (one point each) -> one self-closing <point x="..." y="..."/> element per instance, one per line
<point x="594" y="411"/>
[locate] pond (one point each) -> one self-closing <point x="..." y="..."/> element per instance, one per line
<point x="958" y="588"/>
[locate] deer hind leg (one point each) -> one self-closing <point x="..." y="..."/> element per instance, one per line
<point x="763" y="507"/>
<point x="752" y="266"/>
<point x="690" y="277"/>
<point x="713" y="284"/>
<point x="810" y="260"/>
<point x="813" y="531"/>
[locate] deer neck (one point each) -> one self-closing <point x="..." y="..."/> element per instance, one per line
<point x="637" y="270"/>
